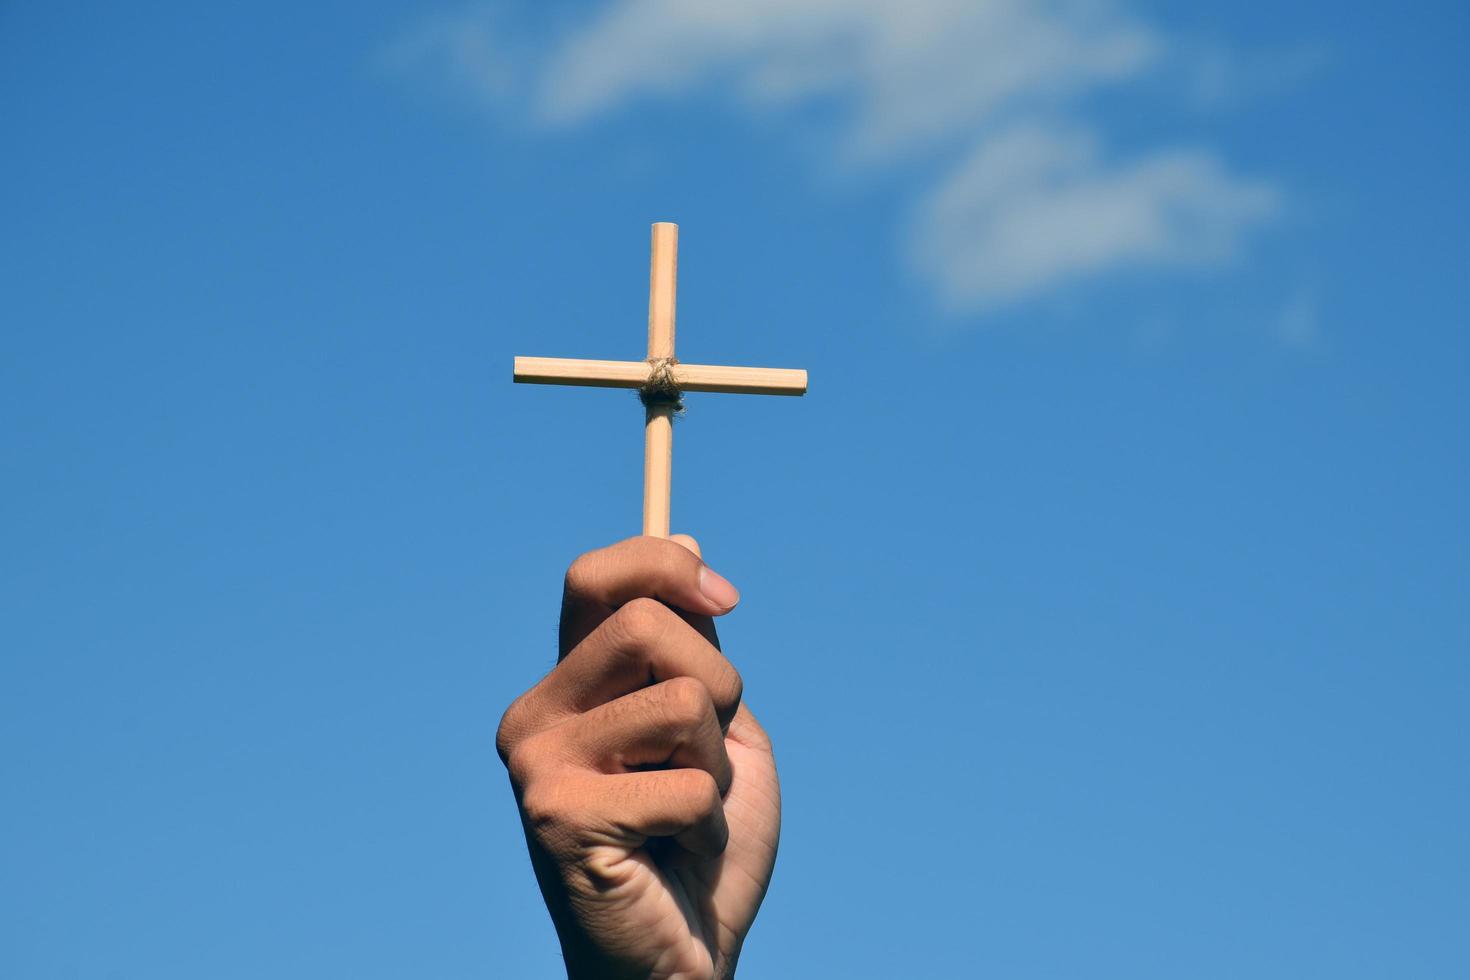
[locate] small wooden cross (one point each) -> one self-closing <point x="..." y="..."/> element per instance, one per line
<point x="657" y="372"/>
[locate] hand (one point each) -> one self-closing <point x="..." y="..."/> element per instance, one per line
<point x="647" y="790"/>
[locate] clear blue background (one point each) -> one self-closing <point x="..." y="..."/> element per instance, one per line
<point x="1085" y="655"/>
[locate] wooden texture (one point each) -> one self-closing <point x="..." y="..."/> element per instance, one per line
<point x="632" y="374"/>
<point x="658" y="430"/>
<point x="658" y="424"/>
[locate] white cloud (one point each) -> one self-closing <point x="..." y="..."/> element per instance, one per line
<point x="1034" y="204"/>
<point x="910" y="72"/>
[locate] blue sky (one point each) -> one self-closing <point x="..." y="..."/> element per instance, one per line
<point x="1106" y="598"/>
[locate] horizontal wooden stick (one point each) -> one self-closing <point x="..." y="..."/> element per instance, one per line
<point x="632" y="374"/>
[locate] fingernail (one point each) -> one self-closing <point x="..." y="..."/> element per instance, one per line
<point x="716" y="589"/>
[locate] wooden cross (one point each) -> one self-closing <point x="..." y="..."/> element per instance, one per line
<point x="658" y="429"/>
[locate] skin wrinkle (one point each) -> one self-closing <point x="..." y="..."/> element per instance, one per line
<point x="657" y="870"/>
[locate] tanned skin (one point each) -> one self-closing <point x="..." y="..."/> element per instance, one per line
<point x="646" y="787"/>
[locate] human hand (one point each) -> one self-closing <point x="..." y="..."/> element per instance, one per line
<point x="647" y="790"/>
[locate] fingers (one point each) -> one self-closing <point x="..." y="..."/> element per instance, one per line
<point x="643" y="642"/>
<point x="600" y="582"/>
<point x="641" y="683"/>
<point x="581" y="785"/>
<point x="626" y="810"/>
<point x="680" y="803"/>
<point x="671" y="724"/>
<point x="704" y="624"/>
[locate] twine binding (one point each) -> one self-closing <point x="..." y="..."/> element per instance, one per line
<point x="661" y="389"/>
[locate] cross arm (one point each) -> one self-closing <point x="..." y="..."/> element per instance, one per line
<point x="633" y="374"/>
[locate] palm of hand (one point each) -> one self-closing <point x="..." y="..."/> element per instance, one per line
<point x="686" y="916"/>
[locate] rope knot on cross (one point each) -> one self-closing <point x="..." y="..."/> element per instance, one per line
<point x="660" y="379"/>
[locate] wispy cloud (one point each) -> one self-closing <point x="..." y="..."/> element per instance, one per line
<point x="984" y="94"/>
<point x="912" y="73"/>
<point x="464" y="49"/>
<point x="1215" y="76"/>
<point x="1036" y="206"/>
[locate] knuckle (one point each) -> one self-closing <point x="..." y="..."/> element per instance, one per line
<point x="524" y="759"/>
<point x="508" y="733"/>
<point x="541" y="806"/>
<point x="702" y="791"/>
<point x="727" y="692"/>
<point x="641" y="622"/>
<point x="687" y="700"/>
<point x="580" y="575"/>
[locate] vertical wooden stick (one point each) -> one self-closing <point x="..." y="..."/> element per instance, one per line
<point x="658" y="426"/>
